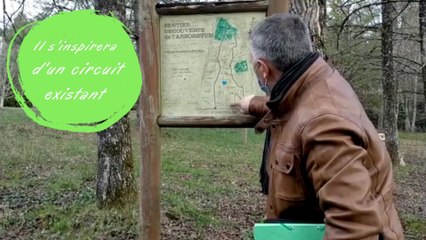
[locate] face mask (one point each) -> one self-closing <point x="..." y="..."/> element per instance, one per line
<point x="263" y="87"/>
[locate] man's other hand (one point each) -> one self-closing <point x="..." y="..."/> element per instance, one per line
<point x="242" y="106"/>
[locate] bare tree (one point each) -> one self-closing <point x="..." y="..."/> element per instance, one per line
<point x="390" y="86"/>
<point x="422" y="38"/>
<point x="115" y="168"/>
<point x="413" y="121"/>
<point x="406" y="73"/>
<point x="115" y="178"/>
<point x="3" y="53"/>
<point x="12" y="21"/>
<point x="313" y="12"/>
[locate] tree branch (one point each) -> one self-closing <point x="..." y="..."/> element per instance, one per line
<point x="412" y="92"/>
<point x="9" y="17"/>
<point x="363" y="7"/>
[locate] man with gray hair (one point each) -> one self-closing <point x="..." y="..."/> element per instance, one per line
<point x="323" y="160"/>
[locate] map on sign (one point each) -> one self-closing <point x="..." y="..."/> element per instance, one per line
<point x="205" y="63"/>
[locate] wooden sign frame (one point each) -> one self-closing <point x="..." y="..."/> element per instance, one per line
<point x="149" y="101"/>
<point x="234" y="121"/>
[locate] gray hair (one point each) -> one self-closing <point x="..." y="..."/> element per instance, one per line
<point x="282" y="39"/>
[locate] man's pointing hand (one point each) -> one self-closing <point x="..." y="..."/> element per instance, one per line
<point x="242" y="106"/>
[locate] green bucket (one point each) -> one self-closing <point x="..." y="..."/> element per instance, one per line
<point x="283" y="231"/>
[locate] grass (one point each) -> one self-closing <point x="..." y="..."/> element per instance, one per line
<point x="209" y="188"/>
<point x="48" y="177"/>
<point x="416" y="224"/>
<point x="410" y="180"/>
<point x="413" y="136"/>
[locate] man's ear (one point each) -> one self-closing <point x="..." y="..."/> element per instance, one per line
<point x="263" y="67"/>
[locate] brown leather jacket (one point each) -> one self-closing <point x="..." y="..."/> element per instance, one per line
<point x="326" y="160"/>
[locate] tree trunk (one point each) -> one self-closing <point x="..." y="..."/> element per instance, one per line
<point x="380" y="123"/>
<point x="136" y="23"/>
<point x="3" y="73"/>
<point x="115" y="178"/>
<point x="313" y="12"/>
<point x="115" y="183"/>
<point x="390" y="86"/>
<point x="3" y="53"/>
<point x="413" y="122"/>
<point x="422" y="32"/>
<point x="405" y="104"/>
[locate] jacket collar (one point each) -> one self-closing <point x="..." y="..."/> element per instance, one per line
<point x="317" y="70"/>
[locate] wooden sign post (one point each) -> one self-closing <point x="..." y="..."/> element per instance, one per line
<point x="149" y="206"/>
<point x="191" y="84"/>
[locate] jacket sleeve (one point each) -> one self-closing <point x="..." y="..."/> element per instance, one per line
<point x="257" y="106"/>
<point x="335" y="155"/>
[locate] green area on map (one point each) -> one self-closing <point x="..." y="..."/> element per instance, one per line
<point x="224" y="30"/>
<point x="241" y="67"/>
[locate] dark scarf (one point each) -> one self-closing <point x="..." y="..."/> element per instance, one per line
<point x="277" y="94"/>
